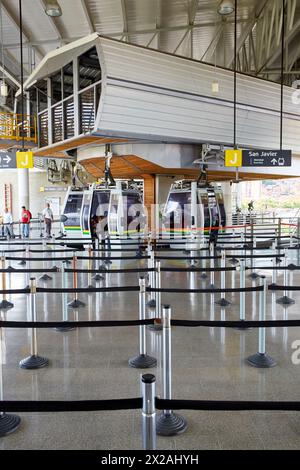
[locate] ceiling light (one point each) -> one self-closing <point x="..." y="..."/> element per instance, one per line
<point x="226" y="7"/>
<point x="53" y="8"/>
<point x="3" y="89"/>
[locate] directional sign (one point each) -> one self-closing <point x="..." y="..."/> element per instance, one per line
<point x="24" y="159"/>
<point x="267" y="158"/>
<point x="233" y="157"/>
<point x="7" y="159"/>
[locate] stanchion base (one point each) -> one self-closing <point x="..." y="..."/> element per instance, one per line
<point x="67" y="261"/>
<point x="103" y="267"/>
<point x="76" y="304"/>
<point x="253" y="276"/>
<point x="261" y="360"/>
<point x="108" y="261"/>
<point x="223" y="302"/>
<point x="233" y="261"/>
<point x="285" y="300"/>
<point x="143" y="361"/>
<point x="8" y="424"/>
<point x="10" y="268"/>
<point x="151" y="303"/>
<point x="64" y="329"/>
<point x="203" y="276"/>
<point x="5" y="305"/>
<point x="34" y="362"/>
<point x="98" y="277"/>
<point x="90" y="286"/>
<point x="45" y="278"/>
<point x="22" y="262"/>
<point x="170" y="424"/>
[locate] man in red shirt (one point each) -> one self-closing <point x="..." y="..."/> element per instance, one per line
<point x="25" y="219"/>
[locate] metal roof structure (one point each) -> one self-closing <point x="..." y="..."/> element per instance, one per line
<point x="191" y="28"/>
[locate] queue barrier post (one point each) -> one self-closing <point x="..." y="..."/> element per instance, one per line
<point x="64" y="305"/>
<point x="242" y="294"/>
<point x="212" y="264"/>
<point x="23" y="262"/>
<point x="45" y="277"/>
<point x="34" y="361"/>
<point x="151" y="264"/>
<point x="98" y="277"/>
<point x="274" y="263"/>
<point x="157" y="326"/>
<point x="90" y="266"/>
<point x="203" y="275"/>
<point x="143" y="360"/>
<point x="285" y="299"/>
<point x="168" y="423"/>
<point x="75" y="303"/>
<point x="8" y="422"/>
<point x="4" y="304"/>
<point x="148" y="412"/>
<point x="253" y="275"/>
<point x="223" y="302"/>
<point x="261" y="359"/>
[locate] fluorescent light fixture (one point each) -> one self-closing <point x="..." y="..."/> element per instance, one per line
<point x="215" y="86"/>
<point x="226" y="7"/>
<point x="53" y="8"/>
<point x="3" y="89"/>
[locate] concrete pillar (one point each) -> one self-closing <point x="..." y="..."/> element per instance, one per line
<point x="149" y="198"/>
<point x="23" y="187"/>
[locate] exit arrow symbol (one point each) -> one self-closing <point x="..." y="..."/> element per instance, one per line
<point x="7" y="159"/>
<point x="274" y="161"/>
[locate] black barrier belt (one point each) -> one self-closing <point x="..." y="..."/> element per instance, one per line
<point x="9" y="258"/>
<point x="287" y="288"/>
<point x="89" y="289"/>
<point x="275" y="255"/>
<point x="162" y="404"/>
<point x="186" y="258"/>
<point x="109" y="271"/>
<point x="67" y="406"/>
<point x="192" y="269"/>
<point x="205" y="291"/>
<point x="237" y="324"/>
<point x="15" y="291"/>
<point x="76" y="324"/>
<point x="13" y="270"/>
<point x="114" y="258"/>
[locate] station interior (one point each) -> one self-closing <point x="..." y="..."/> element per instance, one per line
<point x="149" y="225"/>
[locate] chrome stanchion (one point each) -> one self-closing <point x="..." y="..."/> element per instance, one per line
<point x="98" y="277"/>
<point x="285" y="299"/>
<point x="242" y="294"/>
<point x="34" y="361"/>
<point x="90" y="266"/>
<point x="45" y="277"/>
<point x="274" y="264"/>
<point x="253" y="275"/>
<point x="168" y="423"/>
<point x="64" y="302"/>
<point x="4" y="304"/>
<point x="223" y="302"/>
<point x="143" y="360"/>
<point x="148" y="412"/>
<point x="212" y="264"/>
<point x="76" y="303"/>
<point x="151" y="264"/>
<point x="157" y="325"/>
<point x="23" y="262"/>
<point x="8" y="423"/>
<point x="261" y="359"/>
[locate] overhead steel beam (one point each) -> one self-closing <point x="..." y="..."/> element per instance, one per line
<point x="181" y="41"/>
<point x="120" y="33"/>
<point x="9" y="76"/>
<point x="87" y="16"/>
<point x="15" y="22"/>
<point x="254" y="17"/>
<point x="213" y="44"/>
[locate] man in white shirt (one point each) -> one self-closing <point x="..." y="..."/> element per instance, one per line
<point x="7" y="221"/>
<point x="48" y="219"/>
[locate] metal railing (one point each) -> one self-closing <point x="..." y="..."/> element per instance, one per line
<point x="18" y="127"/>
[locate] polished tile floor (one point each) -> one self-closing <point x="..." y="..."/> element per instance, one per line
<point x="208" y="363"/>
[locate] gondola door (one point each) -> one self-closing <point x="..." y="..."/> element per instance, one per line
<point x="85" y="216"/>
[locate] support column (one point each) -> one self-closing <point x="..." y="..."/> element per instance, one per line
<point x="227" y="195"/>
<point x="149" y="197"/>
<point x="23" y="187"/>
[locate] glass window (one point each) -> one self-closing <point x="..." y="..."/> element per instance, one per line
<point x="87" y="110"/>
<point x="68" y="80"/>
<point x="69" y="118"/>
<point x="42" y="97"/>
<point x="89" y="68"/>
<point x="100" y="203"/>
<point x="56" y="87"/>
<point x="178" y="210"/>
<point x="72" y="210"/>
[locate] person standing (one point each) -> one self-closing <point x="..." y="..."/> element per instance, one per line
<point x="8" y="221"/>
<point x="25" y="220"/>
<point x="48" y="219"/>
